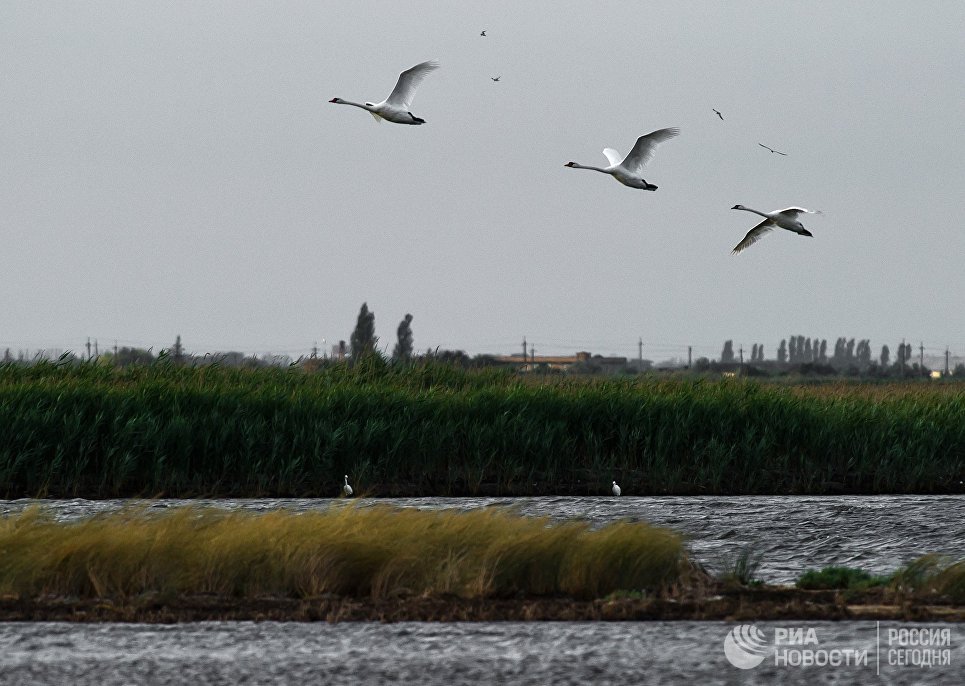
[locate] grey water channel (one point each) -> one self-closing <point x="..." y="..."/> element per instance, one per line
<point x="467" y="653"/>
<point x="875" y="533"/>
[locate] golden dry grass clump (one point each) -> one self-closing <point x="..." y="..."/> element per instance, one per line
<point x="932" y="575"/>
<point x="347" y="550"/>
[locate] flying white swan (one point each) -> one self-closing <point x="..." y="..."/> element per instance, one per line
<point x="628" y="169"/>
<point x="346" y="489"/>
<point x="615" y="489"/>
<point x="785" y="219"/>
<point x="395" y="108"/>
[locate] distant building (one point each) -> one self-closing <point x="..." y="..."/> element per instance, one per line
<point x="530" y="362"/>
<point x="583" y="361"/>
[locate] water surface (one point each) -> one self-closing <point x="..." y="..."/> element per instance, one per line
<point x="445" y="654"/>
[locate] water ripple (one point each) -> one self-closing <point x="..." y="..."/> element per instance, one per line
<point x="456" y="654"/>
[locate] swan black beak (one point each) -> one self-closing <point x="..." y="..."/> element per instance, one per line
<point x="807" y="233"/>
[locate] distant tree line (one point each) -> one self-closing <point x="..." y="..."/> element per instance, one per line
<point x="794" y="353"/>
<point x="849" y="356"/>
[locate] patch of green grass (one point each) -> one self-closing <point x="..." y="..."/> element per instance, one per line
<point x="929" y="575"/>
<point x="840" y="578"/>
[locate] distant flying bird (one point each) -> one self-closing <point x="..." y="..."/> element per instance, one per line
<point x="718" y="114"/>
<point x="495" y="78"/>
<point x="395" y="108"/>
<point x="785" y="219"/>
<point x="346" y="489"/>
<point x="627" y="171"/>
<point x="616" y="489"/>
<point x="773" y="150"/>
<point x="483" y="33"/>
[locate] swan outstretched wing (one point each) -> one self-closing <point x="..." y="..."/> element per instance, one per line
<point x="793" y="212"/>
<point x="612" y="155"/>
<point x="409" y="80"/>
<point x="644" y="148"/>
<point x="754" y="235"/>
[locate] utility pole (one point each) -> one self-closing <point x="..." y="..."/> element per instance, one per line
<point x="690" y="352"/>
<point x="640" y="351"/>
<point x="314" y="349"/>
<point x="946" y="360"/>
<point x="532" y="353"/>
<point x="901" y="356"/>
<point x="524" y="349"/>
<point x="115" y="348"/>
<point x="96" y="351"/>
<point x="88" y="347"/>
<point x="741" y="351"/>
<point x="921" y="356"/>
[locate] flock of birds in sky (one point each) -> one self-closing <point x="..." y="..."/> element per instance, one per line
<point x="627" y="170"/>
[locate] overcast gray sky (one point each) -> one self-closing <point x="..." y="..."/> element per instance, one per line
<point x="175" y="168"/>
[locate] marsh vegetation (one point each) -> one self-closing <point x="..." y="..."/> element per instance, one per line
<point x="96" y="431"/>
<point x="350" y="562"/>
<point x="371" y="552"/>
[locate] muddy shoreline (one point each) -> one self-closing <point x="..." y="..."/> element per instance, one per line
<point x="771" y="603"/>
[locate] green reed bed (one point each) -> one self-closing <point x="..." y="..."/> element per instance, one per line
<point x="374" y="552"/>
<point x="90" y="430"/>
<point x="928" y="575"/>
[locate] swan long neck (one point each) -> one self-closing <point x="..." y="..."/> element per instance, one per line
<point x="354" y="104"/>
<point x="583" y="166"/>
<point x="748" y="209"/>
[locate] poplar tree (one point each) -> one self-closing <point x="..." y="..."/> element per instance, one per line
<point x="363" y="338"/>
<point x="403" y="346"/>
<point x="727" y="355"/>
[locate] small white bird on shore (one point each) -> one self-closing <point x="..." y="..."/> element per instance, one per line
<point x="346" y="489"/>
<point x="616" y="489"/>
